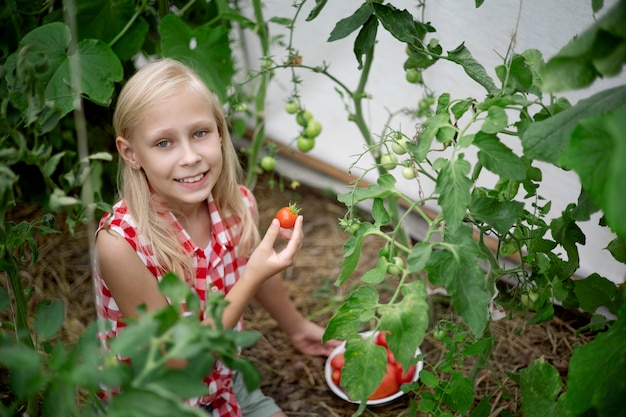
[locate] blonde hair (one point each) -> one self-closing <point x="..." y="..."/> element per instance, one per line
<point x="154" y="82"/>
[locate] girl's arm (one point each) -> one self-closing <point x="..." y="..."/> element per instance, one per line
<point x="128" y="279"/>
<point x="264" y="263"/>
<point x="305" y="335"/>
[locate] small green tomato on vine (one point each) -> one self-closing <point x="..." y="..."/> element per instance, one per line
<point x="413" y="76"/>
<point x="313" y="128"/>
<point x="389" y="161"/>
<point x="305" y="144"/>
<point x="303" y="117"/>
<point x="409" y="172"/>
<point x="268" y="163"/>
<point x="292" y="107"/>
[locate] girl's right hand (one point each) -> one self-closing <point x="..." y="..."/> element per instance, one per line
<point x="265" y="261"/>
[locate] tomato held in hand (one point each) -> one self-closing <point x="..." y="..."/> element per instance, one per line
<point x="388" y="386"/>
<point x="287" y="216"/>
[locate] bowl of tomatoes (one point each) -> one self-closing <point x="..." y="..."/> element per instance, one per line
<point x="389" y="388"/>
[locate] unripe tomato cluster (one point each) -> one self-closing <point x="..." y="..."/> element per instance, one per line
<point x="389" y="160"/>
<point x="311" y="128"/>
<point x="394" y="377"/>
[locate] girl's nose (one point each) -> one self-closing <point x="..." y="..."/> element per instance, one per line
<point x="190" y="155"/>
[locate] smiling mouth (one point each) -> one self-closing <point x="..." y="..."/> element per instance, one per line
<point x="191" y="179"/>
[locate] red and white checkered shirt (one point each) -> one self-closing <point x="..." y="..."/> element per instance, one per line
<point x="217" y="269"/>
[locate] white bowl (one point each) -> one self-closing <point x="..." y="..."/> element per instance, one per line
<point x="328" y="370"/>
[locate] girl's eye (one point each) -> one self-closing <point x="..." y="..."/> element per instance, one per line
<point x="200" y="134"/>
<point x="163" y="144"/>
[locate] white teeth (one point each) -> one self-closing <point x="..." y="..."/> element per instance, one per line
<point x="191" y="179"/>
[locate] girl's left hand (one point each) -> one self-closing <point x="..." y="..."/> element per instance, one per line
<point x="307" y="338"/>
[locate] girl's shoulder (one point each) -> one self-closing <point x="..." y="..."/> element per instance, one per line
<point x="118" y="218"/>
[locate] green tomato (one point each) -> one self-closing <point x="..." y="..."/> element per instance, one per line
<point x="408" y="172"/>
<point x="423" y="104"/>
<point x="313" y="128"/>
<point x="303" y="117"/>
<point x="240" y="107"/>
<point x="439" y="334"/>
<point x="292" y="107"/>
<point x="389" y="161"/>
<point x="399" y="146"/>
<point x="413" y="76"/>
<point x="305" y="144"/>
<point x="268" y="163"/>
<point x="393" y="269"/>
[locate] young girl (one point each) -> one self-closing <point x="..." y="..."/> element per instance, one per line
<point x="182" y="210"/>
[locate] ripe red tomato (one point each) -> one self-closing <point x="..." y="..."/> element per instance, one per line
<point x="381" y="338"/>
<point x="338" y="361"/>
<point x="388" y="386"/>
<point x="335" y="376"/>
<point x="287" y="216"/>
<point x="405" y="377"/>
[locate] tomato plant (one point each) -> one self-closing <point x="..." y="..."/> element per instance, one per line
<point x="287" y="216"/>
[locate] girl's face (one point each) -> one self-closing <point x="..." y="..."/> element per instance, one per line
<point x="179" y="148"/>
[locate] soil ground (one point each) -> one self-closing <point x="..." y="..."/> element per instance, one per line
<point x="294" y="380"/>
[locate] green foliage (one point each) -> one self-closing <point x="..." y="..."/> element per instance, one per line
<point x="585" y="138"/>
<point x="57" y="62"/>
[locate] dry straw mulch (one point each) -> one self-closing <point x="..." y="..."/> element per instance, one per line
<point x="296" y="381"/>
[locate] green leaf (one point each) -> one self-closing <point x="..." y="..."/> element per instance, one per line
<point x="540" y="384"/>
<point x="384" y="187"/>
<point x="462" y="56"/>
<point x="496" y="120"/>
<point x="545" y="140"/>
<point x="459" y="394"/>
<point x="99" y="66"/>
<point x="399" y="23"/>
<point x="380" y="213"/>
<point x="364" y="368"/>
<point x="346" y="26"/>
<point x="498" y="158"/>
<point x="596" y="291"/>
<point x="617" y="247"/>
<point x="345" y="322"/>
<point x="432" y="125"/>
<point x="154" y="402"/>
<point x="49" y="318"/>
<point x="24" y="366"/>
<point x="501" y="215"/>
<point x="595" y="379"/>
<point x="419" y="256"/>
<point x="105" y="20"/>
<point x="407" y="321"/>
<point x="458" y="270"/>
<point x="377" y="274"/>
<point x="520" y="77"/>
<point x="596" y="152"/>
<point x="319" y="5"/>
<point x="59" y="399"/>
<point x="428" y="378"/>
<point x="453" y="187"/>
<point x="600" y="51"/>
<point x="365" y="40"/>
<point x="206" y="48"/>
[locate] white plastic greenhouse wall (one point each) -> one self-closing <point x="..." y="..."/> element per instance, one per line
<point x="545" y="25"/>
